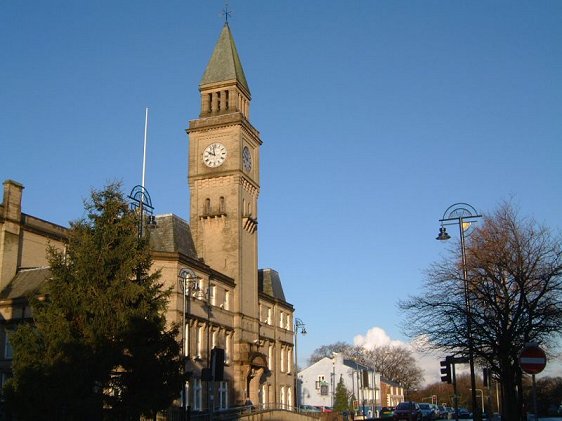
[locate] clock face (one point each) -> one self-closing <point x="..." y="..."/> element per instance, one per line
<point x="247" y="158"/>
<point x="214" y="155"/>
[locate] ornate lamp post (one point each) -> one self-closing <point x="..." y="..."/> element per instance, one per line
<point x="188" y="282"/>
<point x="464" y="215"/>
<point x="299" y="327"/>
<point x="140" y="199"/>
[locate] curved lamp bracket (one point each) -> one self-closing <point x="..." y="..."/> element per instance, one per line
<point x="461" y="214"/>
<point x="141" y="199"/>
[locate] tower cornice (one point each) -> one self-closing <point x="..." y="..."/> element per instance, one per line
<point x="221" y="121"/>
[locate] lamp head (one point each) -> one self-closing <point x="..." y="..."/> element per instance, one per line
<point x="443" y="234"/>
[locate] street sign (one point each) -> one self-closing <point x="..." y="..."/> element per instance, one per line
<point x="532" y="359"/>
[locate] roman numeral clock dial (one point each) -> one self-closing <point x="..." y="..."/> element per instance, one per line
<point x="214" y="155"/>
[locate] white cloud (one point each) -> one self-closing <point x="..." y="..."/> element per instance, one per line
<point x="375" y="337"/>
<point x="428" y="362"/>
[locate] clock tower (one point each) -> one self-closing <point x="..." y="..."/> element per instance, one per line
<point x="224" y="182"/>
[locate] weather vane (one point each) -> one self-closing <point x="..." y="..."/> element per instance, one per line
<point x="226" y="13"/>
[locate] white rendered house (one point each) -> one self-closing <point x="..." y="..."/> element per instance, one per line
<point x="317" y="383"/>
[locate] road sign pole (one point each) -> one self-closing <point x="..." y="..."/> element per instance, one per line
<point x="535" y="399"/>
<point x="532" y="361"/>
<point x="456" y="397"/>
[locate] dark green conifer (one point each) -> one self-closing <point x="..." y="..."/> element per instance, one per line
<point x="98" y="347"/>
<point x="342" y="400"/>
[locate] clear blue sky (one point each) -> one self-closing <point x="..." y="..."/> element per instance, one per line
<point x="375" y="116"/>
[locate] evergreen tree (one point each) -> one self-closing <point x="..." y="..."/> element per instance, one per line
<point x="342" y="399"/>
<point x="98" y="346"/>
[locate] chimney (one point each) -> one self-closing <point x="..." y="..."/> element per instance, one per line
<point x="10" y="226"/>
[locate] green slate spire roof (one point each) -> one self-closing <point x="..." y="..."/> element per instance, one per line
<point x="225" y="64"/>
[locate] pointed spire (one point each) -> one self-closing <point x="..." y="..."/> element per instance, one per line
<point x="225" y="64"/>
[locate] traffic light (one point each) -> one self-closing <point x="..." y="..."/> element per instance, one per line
<point x="446" y="370"/>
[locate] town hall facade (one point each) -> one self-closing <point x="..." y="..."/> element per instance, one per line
<point x="221" y="298"/>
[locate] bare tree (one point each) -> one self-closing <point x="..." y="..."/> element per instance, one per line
<point x="514" y="269"/>
<point x="328" y="350"/>
<point x="396" y="363"/>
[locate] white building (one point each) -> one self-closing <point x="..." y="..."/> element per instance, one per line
<point x="317" y="383"/>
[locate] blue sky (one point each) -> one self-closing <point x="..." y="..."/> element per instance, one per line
<point x="375" y="116"/>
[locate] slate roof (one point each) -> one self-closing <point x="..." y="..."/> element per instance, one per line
<point x="225" y="64"/>
<point x="355" y="365"/>
<point x="390" y="382"/>
<point x="25" y="283"/>
<point x="172" y="234"/>
<point x="269" y="283"/>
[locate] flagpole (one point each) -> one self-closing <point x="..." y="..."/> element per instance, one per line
<point x="144" y="150"/>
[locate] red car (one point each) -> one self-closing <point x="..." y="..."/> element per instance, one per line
<point x="409" y="411"/>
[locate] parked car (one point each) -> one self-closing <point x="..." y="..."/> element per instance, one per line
<point x="409" y="411"/>
<point x="428" y="414"/>
<point x="309" y="408"/>
<point x="386" y="412"/>
<point x="443" y="413"/>
<point x="436" y="411"/>
<point x="450" y="413"/>
<point x="464" y="414"/>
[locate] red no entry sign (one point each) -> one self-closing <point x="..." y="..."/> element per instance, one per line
<point x="532" y="359"/>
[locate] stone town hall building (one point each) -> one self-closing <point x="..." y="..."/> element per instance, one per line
<point x="229" y="303"/>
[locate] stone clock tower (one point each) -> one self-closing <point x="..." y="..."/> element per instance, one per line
<point x="224" y="183"/>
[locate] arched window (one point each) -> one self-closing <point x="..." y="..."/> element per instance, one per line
<point x="222" y="205"/>
<point x="207" y="210"/>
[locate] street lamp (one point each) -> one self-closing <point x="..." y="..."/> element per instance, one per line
<point x="299" y="327"/>
<point x="140" y="199"/>
<point x="188" y="282"/>
<point x="463" y="215"/>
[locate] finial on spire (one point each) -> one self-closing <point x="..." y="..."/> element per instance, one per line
<point x="226" y="13"/>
